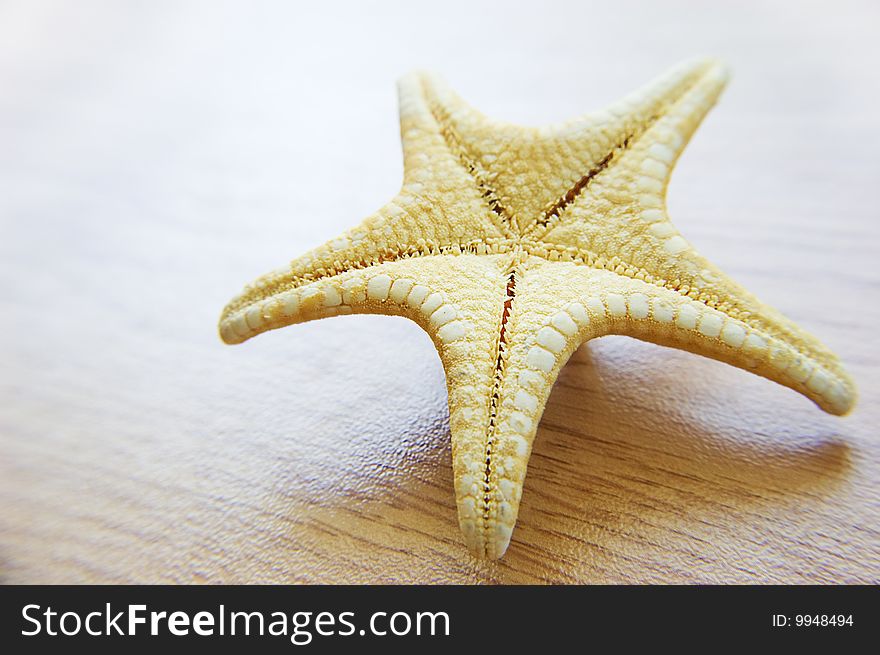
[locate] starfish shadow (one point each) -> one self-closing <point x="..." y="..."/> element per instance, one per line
<point x="638" y="444"/>
<point x="643" y="449"/>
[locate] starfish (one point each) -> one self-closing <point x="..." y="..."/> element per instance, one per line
<point x="511" y="246"/>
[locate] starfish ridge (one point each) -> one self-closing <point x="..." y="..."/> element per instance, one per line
<point x="511" y="246"/>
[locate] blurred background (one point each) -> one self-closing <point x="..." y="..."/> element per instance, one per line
<point x="157" y="155"/>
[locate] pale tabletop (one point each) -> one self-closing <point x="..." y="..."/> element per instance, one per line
<point x="157" y="156"/>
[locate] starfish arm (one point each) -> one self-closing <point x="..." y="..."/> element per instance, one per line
<point x="533" y="173"/>
<point x="466" y="323"/>
<point x="542" y="326"/>
<point x="616" y="214"/>
<point x="628" y="155"/>
<point x="389" y="235"/>
<point x="618" y="207"/>
<point x="441" y="208"/>
<point x="756" y="343"/>
<point x="619" y="304"/>
<point x="790" y="356"/>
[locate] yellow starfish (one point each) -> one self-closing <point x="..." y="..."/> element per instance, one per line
<point x="511" y="246"/>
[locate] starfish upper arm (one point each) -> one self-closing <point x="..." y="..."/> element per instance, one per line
<point x="440" y="209"/>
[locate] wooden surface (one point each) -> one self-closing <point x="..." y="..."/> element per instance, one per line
<point x="156" y="156"/>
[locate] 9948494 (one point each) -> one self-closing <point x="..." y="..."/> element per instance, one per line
<point x="812" y="620"/>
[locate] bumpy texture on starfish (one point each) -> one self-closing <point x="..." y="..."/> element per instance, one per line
<point x="511" y="246"/>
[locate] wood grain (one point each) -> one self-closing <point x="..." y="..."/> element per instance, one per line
<point x="156" y="156"/>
